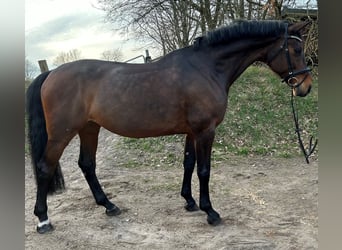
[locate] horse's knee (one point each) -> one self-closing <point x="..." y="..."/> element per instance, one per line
<point x="203" y="175"/>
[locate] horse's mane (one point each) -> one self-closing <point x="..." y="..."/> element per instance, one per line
<point x="244" y="29"/>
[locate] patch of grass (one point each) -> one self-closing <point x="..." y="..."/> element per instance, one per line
<point x="259" y="117"/>
<point x="171" y="186"/>
<point x="155" y="152"/>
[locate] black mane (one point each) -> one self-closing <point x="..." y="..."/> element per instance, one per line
<point x="244" y="29"/>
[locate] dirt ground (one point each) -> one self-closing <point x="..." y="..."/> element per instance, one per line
<point x="265" y="203"/>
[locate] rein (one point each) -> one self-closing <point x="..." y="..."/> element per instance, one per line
<point x="293" y="83"/>
<point x="311" y="148"/>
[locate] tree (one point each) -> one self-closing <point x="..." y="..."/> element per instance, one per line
<point x="163" y="24"/>
<point x="64" y="57"/>
<point x="173" y="24"/>
<point x="112" y="55"/>
<point x="31" y="70"/>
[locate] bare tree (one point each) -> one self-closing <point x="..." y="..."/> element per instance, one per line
<point x="164" y="24"/>
<point x="112" y="55"/>
<point x="210" y="13"/>
<point x="31" y="70"/>
<point x="64" y="57"/>
<point x="172" y="24"/>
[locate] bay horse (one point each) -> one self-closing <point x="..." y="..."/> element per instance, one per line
<point x="185" y="92"/>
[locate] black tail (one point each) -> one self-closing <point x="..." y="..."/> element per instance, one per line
<point x="37" y="134"/>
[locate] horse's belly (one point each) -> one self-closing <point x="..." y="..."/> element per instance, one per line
<point x="139" y="123"/>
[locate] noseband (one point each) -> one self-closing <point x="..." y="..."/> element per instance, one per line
<point x="291" y="73"/>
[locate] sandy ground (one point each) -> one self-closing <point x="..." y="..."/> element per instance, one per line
<point x="265" y="203"/>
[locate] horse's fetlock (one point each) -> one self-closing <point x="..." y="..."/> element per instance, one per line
<point x="205" y="206"/>
<point x="41" y="212"/>
<point x="185" y="192"/>
<point x="101" y="200"/>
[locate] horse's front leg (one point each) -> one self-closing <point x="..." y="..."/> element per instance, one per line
<point x="204" y="144"/>
<point x="189" y="165"/>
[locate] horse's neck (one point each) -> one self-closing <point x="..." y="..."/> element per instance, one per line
<point x="232" y="60"/>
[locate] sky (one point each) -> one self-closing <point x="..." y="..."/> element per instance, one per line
<point x="55" y="26"/>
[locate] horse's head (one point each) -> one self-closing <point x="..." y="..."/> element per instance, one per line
<point x="286" y="58"/>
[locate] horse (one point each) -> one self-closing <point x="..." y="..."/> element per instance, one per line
<point x="185" y="92"/>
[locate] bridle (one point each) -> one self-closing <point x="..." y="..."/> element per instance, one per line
<point x="289" y="80"/>
<point x="291" y="75"/>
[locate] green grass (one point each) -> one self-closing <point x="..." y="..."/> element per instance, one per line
<point x="258" y="121"/>
<point x="156" y="152"/>
<point x="259" y="117"/>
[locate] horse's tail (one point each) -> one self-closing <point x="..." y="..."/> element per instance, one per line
<point x="37" y="135"/>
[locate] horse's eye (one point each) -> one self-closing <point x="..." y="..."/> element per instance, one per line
<point x="298" y="50"/>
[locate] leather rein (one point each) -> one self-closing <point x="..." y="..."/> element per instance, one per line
<point x="289" y="80"/>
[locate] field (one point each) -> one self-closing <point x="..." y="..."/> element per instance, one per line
<point x="260" y="184"/>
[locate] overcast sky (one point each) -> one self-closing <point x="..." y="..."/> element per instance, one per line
<point x="54" y="26"/>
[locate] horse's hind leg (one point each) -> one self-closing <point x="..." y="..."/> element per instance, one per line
<point x="87" y="162"/>
<point x="46" y="169"/>
<point x="189" y="165"/>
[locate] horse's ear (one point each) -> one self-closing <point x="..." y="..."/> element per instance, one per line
<point x="298" y="27"/>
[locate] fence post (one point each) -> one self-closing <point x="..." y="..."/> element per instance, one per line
<point x="148" y="58"/>
<point x="43" y="66"/>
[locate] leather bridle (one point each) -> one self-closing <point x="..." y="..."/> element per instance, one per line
<point x="291" y="76"/>
<point x="292" y="82"/>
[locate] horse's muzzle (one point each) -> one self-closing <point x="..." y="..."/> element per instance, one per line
<point x="298" y="91"/>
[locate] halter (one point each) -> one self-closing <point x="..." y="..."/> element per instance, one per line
<point x="291" y="73"/>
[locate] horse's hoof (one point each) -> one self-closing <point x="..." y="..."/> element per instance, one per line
<point x="113" y="211"/>
<point x="191" y="207"/>
<point x="46" y="228"/>
<point x="214" y="220"/>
